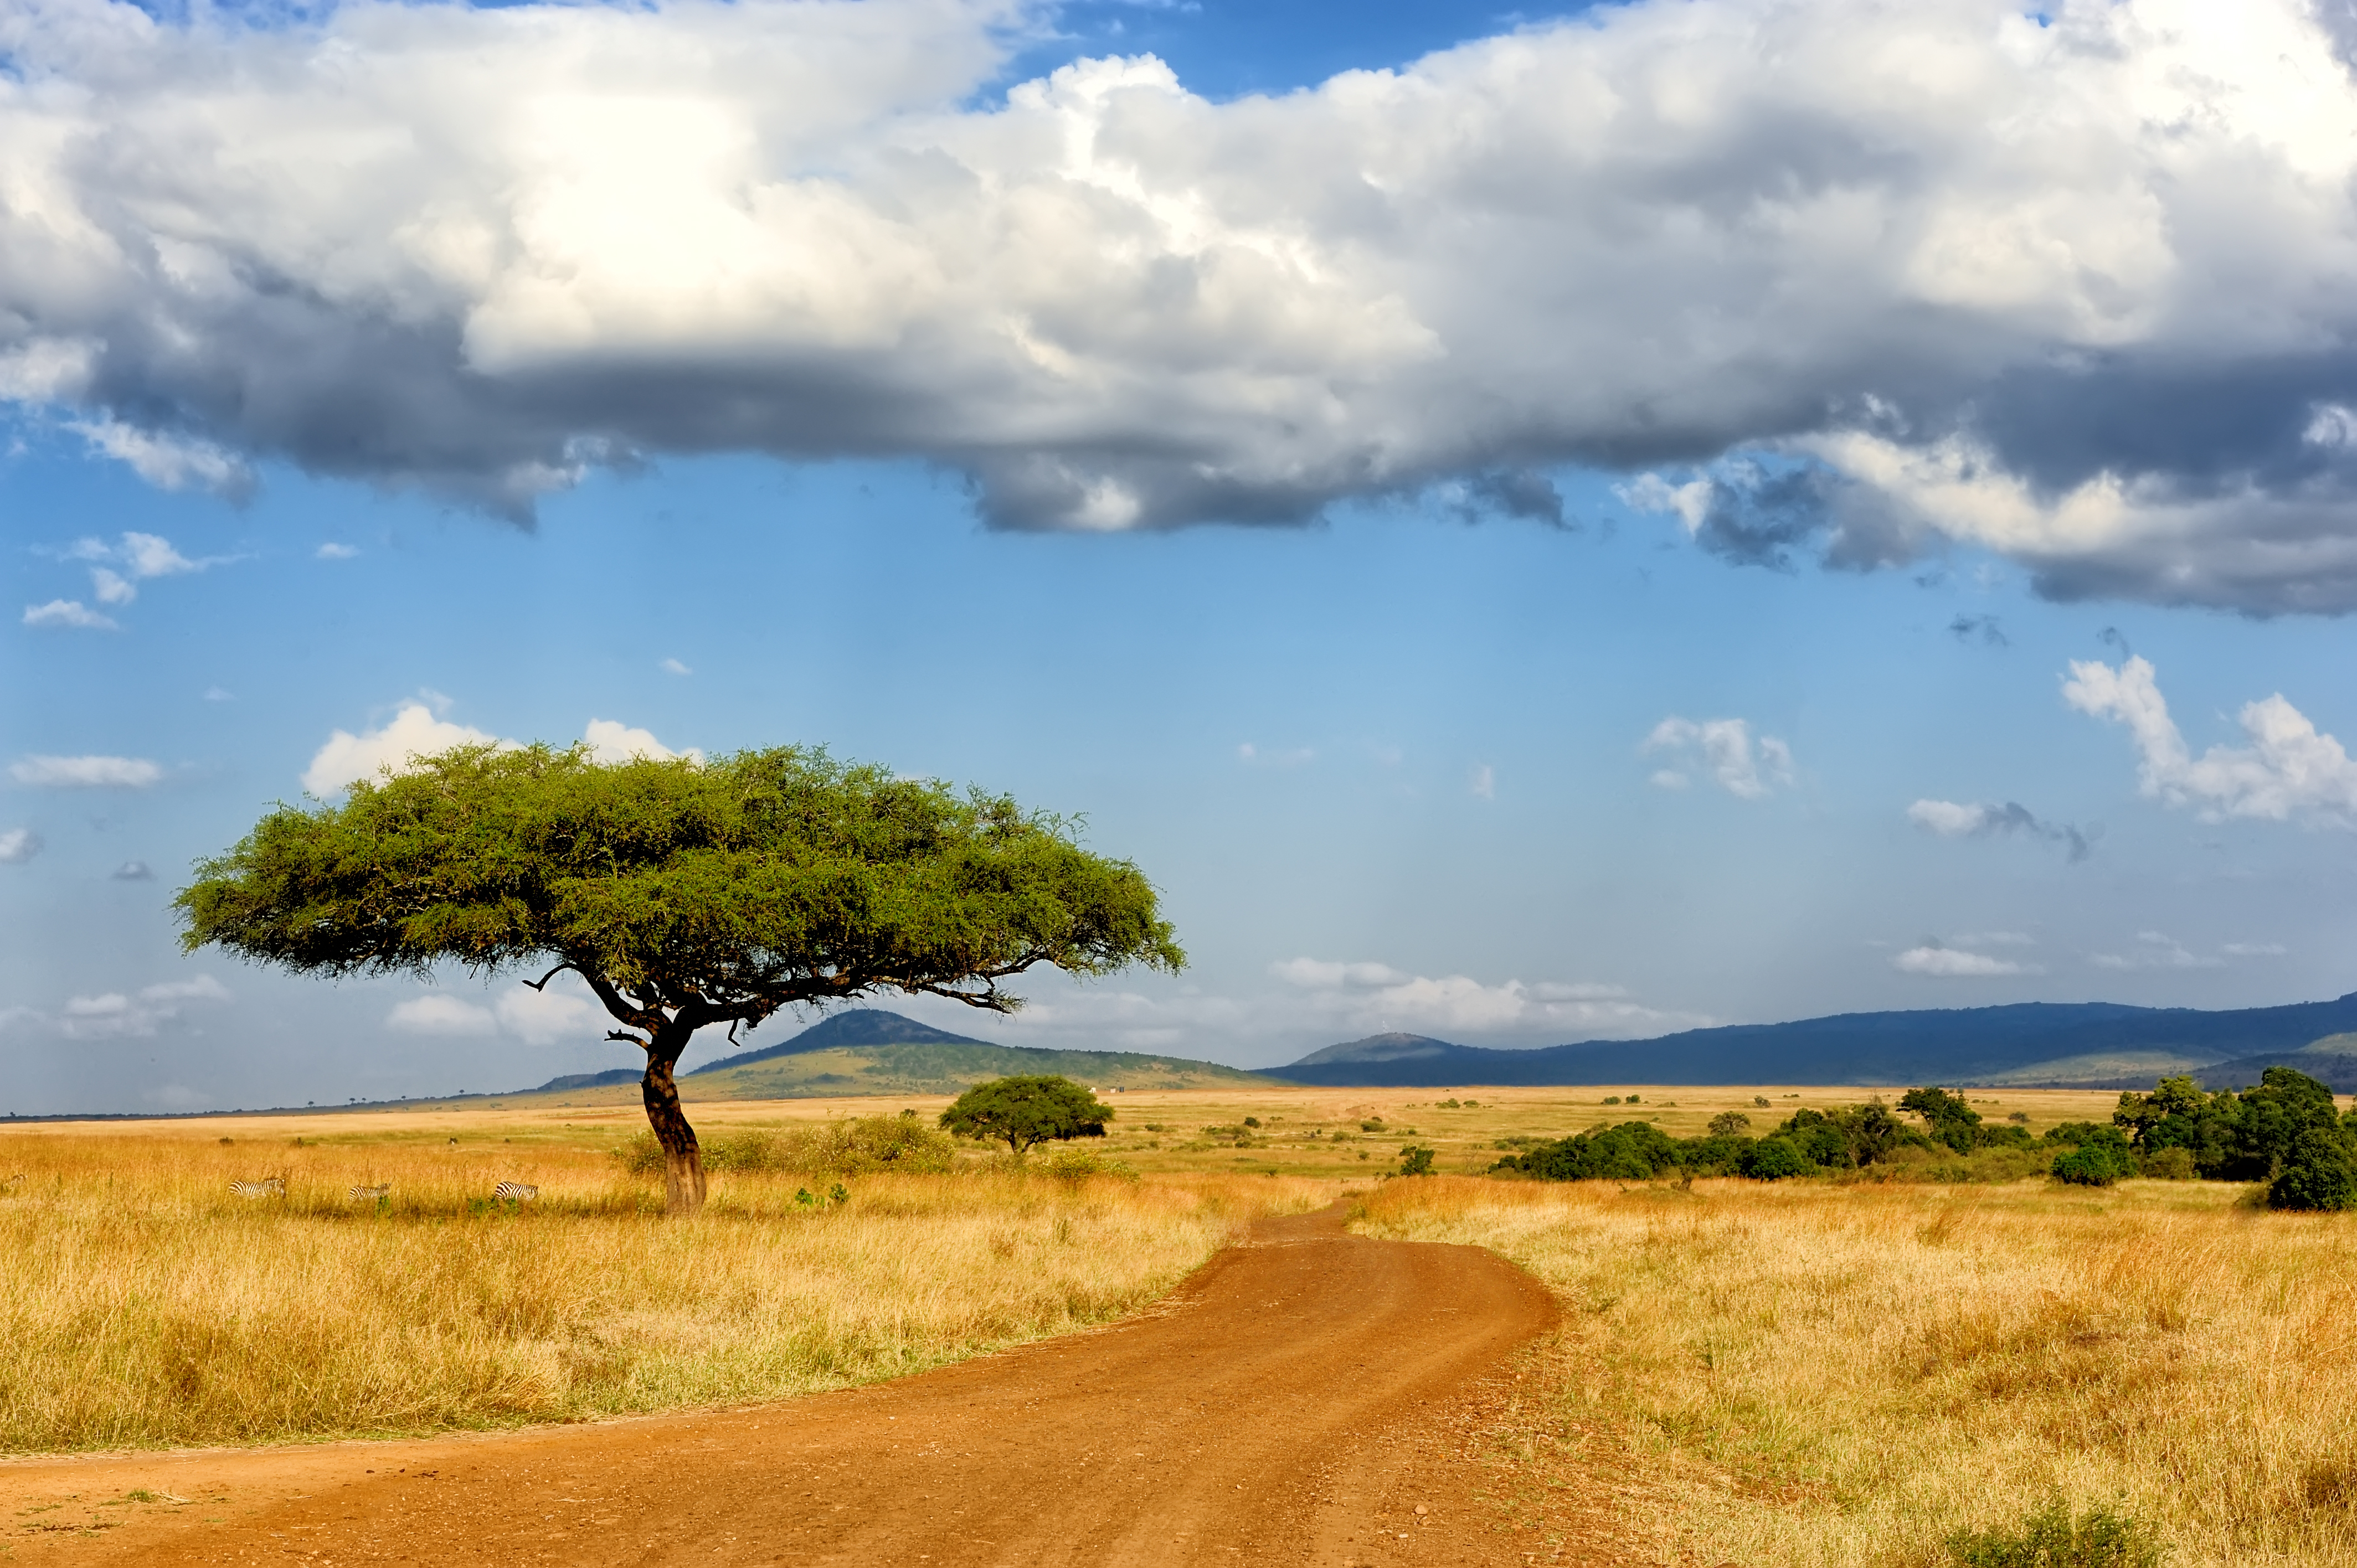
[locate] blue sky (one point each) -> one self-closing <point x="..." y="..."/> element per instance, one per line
<point x="1500" y="615"/>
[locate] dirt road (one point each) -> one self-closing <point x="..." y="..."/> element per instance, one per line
<point x="1277" y="1409"/>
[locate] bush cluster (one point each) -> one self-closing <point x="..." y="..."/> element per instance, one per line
<point x="2052" y="1537"/>
<point x="2284" y="1130"/>
<point x="856" y="1146"/>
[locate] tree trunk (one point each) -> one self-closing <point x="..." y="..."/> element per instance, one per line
<point x="683" y="1160"/>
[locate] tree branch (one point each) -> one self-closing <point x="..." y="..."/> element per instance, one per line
<point x="542" y="984"/>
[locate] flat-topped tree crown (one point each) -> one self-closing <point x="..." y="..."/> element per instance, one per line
<point x="683" y="893"/>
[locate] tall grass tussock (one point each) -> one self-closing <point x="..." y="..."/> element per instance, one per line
<point x="143" y="1304"/>
<point x="1815" y="1373"/>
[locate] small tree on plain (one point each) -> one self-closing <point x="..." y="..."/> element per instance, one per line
<point x="1024" y="1111"/>
<point x="684" y="894"/>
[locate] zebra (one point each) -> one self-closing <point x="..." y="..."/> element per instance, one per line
<point x="515" y="1192"/>
<point x="363" y="1193"/>
<point x="268" y="1186"/>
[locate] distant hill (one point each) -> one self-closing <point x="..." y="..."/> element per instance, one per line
<point x="860" y="1027"/>
<point x="589" y="1080"/>
<point x="870" y="1051"/>
<point x="2034" y="1044"/>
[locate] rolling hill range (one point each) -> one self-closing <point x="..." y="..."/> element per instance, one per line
<point x="2096" y="1044"/>
<point x="870" y="1051"/>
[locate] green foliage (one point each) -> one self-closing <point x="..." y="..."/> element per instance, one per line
<point x="2053" y="1537"/>
<point x="1633" y="1150"/>
<point x="1022" y="1112"/>
<point x="1727" y="1123"/>
<point x="1415" y="1161"/>
<point x="1950" y="1118"/>
<point x="2247" y="1136"/>
<point x="1612" y="1100"/>
<point x="2321" y="1174"/>
<point x="1848" y="1135"/>
<point x="2089" y="1166"/>
<point x="1070" y="1165"/>
<point x="729" y="888"/>
<point x="849" y="1146"/>
<point x="1773" y="1159"/>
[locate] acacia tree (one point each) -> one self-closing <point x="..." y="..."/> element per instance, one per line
<point x="684" y="894"/>
<point x="1028" y="1110"/>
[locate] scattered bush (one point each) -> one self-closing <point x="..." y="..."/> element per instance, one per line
<point x="1374" y="1125"/>
<point x="1075" y="1164"/>
<point x="2054" y="1538"/>
<point x="1612" y="1100"/>
<point x="2170" y="1164"/>
<point x="2089" y="1166"/>
<point x="858" y="1146"/>
<point x="1759" y="1101"/>
<point x="1727" y="1123"/>
<point x="1773" y="1159"/>
<point x="2319" y="1174"/>
<point x="1415" y="1161"/>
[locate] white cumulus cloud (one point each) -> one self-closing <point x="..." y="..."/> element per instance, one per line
<point x="71" y="613"/>
<point x="413" y="730"/>
<point x="18" y="845"/>
<point x="86" y="772"/>
<point x="1956" y="963"/>
<point x="2288" y="769"/>
<point x="1726" y="749"/>
<point x="1888" y="270"/>
<point x="611" y="741"/>
<point x="116" y="1015"/>
<point x="435" y="1014"/>
<point x="564" y="1011"/>
<point x="1953" y="819"/>
<point x="1374" y="997"/>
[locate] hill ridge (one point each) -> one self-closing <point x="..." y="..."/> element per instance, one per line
<point x="1966" y="1044"/>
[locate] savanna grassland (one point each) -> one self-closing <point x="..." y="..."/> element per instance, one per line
<point x="1821" y="1372"/>
<point x="1843" y="1371"/>
<point x="143" y="1304"/>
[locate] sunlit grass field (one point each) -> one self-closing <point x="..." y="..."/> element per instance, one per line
<point x="1806" y="1373"/>
<point x="1819" y="1373"/>
<point x="141" y="1304"/>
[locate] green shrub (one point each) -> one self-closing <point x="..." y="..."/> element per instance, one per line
<point x="2089" y="1166"/>
<point x="854" y="1146"/>
<point x="2170" y="1164"/>
<point x="2052" y="1537"/>
<point x="1415" y="1161"/>
<point x="1066" y="1163"/>
<point x="2318" y="1175"/>
<point x="1773" y="1159"/>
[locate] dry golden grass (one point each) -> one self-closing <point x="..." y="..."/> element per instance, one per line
<point x="1817" y="1374"/>
<point x="142" y="1305"/>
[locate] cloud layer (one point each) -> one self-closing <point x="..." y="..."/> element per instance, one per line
<point x="1956" y="820"/>
<point x="1859" y="280"/>
<point x="1726" y="749"/>
<point x="415" y="729"/>
<point x="2288" y="769"/>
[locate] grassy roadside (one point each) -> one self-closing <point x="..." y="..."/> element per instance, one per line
<point x="141" y="1304"/>
<point x="1816" y="1374"/>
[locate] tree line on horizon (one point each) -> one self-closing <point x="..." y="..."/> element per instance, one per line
<point x="2285" y="1131"/>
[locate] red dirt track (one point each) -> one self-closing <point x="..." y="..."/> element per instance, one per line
<point x="1273" y="1409"/>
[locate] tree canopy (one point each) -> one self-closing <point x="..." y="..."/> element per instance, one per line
<point x="1021" y="1112"/>
<point x="684" y="893"/>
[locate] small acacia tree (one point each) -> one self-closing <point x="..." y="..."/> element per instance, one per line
<point x="1022" y="1112"/>
<point x="683" y="894"/>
